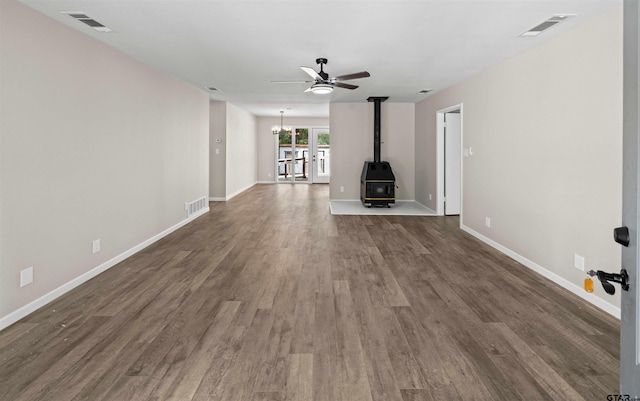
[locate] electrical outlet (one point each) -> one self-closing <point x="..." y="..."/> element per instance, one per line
<point x="341" y="189"/>
<point x="429" y="196"/>
<point x="487" y="222"/>
<point x="269" y="175"/>
<point x="96" y="246"/>
<point x="26" y="276"/>
<point x="578" y="262"/>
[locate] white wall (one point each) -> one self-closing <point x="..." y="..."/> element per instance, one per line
<point x="233" y="168"/>
<point x="546" y="129"/>
<point x="241" y="158"/>
<point x="352" y="144"/>
<point x="218" y="161"/>
<point x="94" y="144"/>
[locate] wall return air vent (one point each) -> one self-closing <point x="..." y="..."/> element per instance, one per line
<point x="84" y="18"/>
<point x="196" y="206"/>
<point x="543" y="26"/>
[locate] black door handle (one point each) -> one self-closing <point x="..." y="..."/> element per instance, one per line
<point x="621" y="235"/>
<point x="605" y="278"/>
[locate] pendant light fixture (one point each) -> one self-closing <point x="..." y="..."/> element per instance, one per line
<point x="282" y="130"/>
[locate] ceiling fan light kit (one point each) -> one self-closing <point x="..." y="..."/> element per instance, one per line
<point x="321" y="89"/>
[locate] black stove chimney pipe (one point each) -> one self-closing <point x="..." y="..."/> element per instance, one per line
<point x="376" y="125"/>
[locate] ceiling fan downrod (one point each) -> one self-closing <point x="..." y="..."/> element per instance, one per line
<point x="322" y="62"/>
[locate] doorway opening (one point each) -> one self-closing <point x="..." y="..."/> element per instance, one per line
<point x="449" y="161"/>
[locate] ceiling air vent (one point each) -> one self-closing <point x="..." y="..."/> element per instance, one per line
<point x="78" y="15"/>
<point x="84" y="18"/>
<point x="552" y="21"/>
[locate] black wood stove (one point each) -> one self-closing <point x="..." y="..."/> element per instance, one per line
<point x="377" y="181"/>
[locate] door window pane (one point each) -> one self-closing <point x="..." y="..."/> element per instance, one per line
<point x="284" y="156"/>
<point x="301" y="162"/>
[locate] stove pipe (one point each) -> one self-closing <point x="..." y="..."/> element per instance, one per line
<point x="376" y="125"/>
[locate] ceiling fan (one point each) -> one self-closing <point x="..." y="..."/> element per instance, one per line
<point x="322" y="83"/>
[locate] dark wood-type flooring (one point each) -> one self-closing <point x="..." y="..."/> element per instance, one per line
<point x="269" y="297"/>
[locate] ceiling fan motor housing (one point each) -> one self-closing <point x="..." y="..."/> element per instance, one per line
<point x="323" y="75"/>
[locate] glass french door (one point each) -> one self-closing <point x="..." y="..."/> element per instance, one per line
<point x="300" y="160"/>
<point x="293" y="163"/>
<point x="304" y="155"/>
<point x="321" y="155"/>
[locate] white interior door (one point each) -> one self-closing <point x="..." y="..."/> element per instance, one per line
<point x="630" y="310"/>
<point x="321" y="155"/>
<point x="452" y="163"/>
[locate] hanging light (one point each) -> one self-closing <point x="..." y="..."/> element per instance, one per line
<point x="282" y="130"/>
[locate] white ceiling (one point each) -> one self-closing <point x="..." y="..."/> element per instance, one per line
<point x="240" y="46"/>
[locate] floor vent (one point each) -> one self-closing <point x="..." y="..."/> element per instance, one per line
<point x="195" y="206"/>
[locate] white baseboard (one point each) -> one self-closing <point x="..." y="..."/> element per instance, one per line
<point x="266" y="182"/>
<point x="228" y="197"/>
<point x="566" y="284"/>
<point x="24" y="311"/>
<point x="238" y="192"/>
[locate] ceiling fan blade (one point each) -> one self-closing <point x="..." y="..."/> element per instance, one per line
<point x="312" y="73"/>
<point x="345" y="86"/>
<point x="291" y="82"/>
<point x="308" y="89"/>
<point x="361" y="74"/>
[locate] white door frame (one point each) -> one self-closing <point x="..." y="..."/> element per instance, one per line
<point x="630" y="257"/>
<point x="440" y="158"/>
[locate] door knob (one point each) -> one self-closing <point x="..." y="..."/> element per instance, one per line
<point x="606" y="279"/>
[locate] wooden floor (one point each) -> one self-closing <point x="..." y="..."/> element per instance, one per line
<point x="269" y="297"/>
